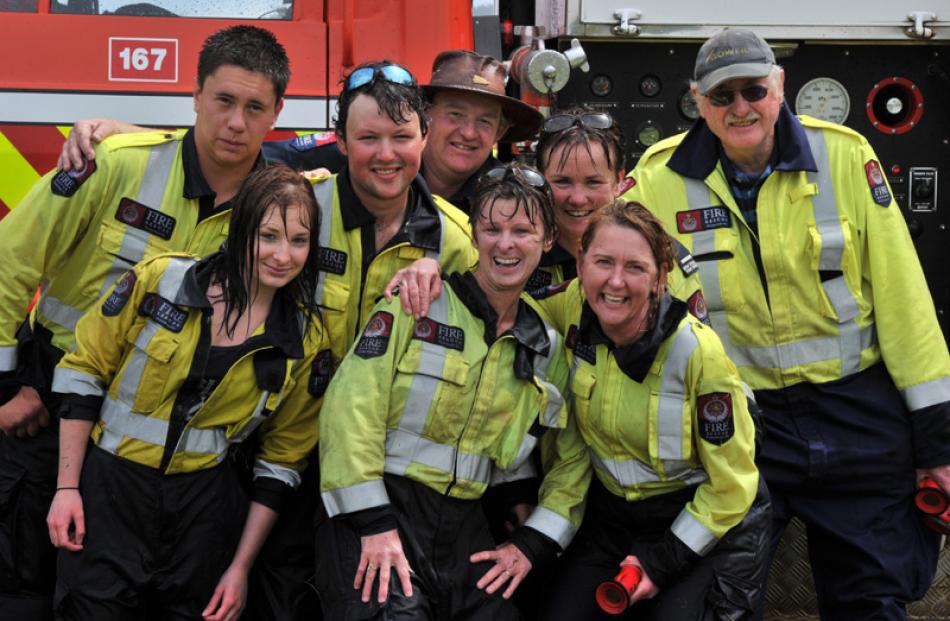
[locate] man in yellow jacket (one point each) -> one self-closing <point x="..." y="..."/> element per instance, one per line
<point x="76" y="233"/>
<point x="813" y="285"/>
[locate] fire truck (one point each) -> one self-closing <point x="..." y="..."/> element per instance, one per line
<point x="881" y="68"/>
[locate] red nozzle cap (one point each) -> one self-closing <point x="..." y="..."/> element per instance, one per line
<point x="930" y="497"/>
<point x="613" y="596"/>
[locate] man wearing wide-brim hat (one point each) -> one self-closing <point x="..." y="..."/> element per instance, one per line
<point x="470" y="113"/>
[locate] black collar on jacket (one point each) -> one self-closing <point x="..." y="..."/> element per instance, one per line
<point x="528" y="329"/>
<point x="463" y="197"/>
<point x="635" y="360"/>
<point x="282" y="328"/>
<point x="697" y="155"/>
<point x="196" y="186"/>
<point x="421" y="226"/>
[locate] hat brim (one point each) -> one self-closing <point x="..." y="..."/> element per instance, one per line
<point x="732" y="72"/>
<point x="524" y="120"/>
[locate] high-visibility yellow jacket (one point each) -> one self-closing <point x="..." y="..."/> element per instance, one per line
<point x="348" y="290"/>
<point x="444" y="403"/>
<point x="77" y="233"/>
<point x="141" y="352"/>
<point x="841" y="286"/>
<point x="666" y="412"/>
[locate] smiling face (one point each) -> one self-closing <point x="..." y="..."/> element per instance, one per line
<point x="746" y="130"/>
<point x="620" y="277"/>
<point x="582" y="183"/>
<point x="235" y="109"/>
<point x="283" y="245"/>
<point x="463" y="128"/>
<point x="383" y="156"/>
<point x="509" y="245"/>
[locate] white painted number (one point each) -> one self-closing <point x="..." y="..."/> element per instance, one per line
<point x="138" y="58"/>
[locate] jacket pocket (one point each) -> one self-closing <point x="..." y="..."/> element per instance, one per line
<point x="147" y="367"/>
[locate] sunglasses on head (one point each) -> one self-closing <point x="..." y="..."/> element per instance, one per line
<point x="590" y="120"/>
<point x="722" y="97"/>
<point x="528" y="175"/>
<point x="390" y="73"/>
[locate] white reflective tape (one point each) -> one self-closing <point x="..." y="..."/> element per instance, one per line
<point x="425" y="380"/>
<point x="355" y="498"/>
<point x="173" y="277"/>
<point x="60" y="313"/>
<point x="690" y="531"/>
<point x="212" y="441"/>
<point x="628" y="473"/>
<point x="120" y="422"/>
<point x="404" y="448"/>
<point x="71" y="381"/>
<point x="268" y="470"/>
<point x="525" y="468"/>
<point x="257" y="417"/>
<point x="552" y="525"/>
<point x="323" y="193"/>
<point x="672" y="388"/>
<point x="927" y="394"/>
<point x="8" y="358"/>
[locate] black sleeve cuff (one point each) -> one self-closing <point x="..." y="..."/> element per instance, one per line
<point x="80" y="407"/>
<point x="664" y="561"/>
<point x="373" y="521"/>
<point x="271" y="493"/>
<point x="538" y="547"/>
<point x="931" y="428"/>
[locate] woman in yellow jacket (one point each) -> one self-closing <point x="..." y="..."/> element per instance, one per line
<point x="424" y="415"/>
<point x="668" y="434"/>
<point x="178" y="362"/>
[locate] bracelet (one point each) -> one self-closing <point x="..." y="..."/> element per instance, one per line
<point x="59" y="489"/>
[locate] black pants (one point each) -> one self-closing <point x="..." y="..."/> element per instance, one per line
<point x="723" y="585"/>
<point x="27" y="483"/>
<point x="839" y="456"/>
<point x="156" y="545"/>
<point x="438" y="536"/>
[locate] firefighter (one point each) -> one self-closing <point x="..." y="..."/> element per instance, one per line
<point x="468" y="113"/>
<point x="76" y="233"/>
<point x="812" y="283"/>
<point x="664" y="416"/>
<point x="180" y="360"/>
<point x="456" y="403"/>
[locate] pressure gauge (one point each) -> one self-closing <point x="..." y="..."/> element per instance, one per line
<point x="648" y="133"/>
<point x="687" y="106"/>
<point x="824" y="98"/>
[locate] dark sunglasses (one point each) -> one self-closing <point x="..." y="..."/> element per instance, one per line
<point x="529" y="175"/>
<point x="724" y="97"/>
<point x="390" y="73"/>
<point x="590" y="120"/>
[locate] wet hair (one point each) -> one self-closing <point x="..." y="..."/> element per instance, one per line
<point x="397" y="101"/>
<point x="634" y="216"/>
<point x="580" y="136"/>
<point x="536" y="201"/>
<point x="273" y="186"/>
<point x="250" y="48"/>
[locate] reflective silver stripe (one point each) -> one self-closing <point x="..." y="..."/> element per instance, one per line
<point x="120" y="422"/>
<point x="283" y="474"/>
<point x="552" y="412"/>
<point x="323" y="192"/>
<point x="8" y="358"/>
<point x="927" y="394"/>
<point x="161" y="158"/>
<point x="255" y="420"/>
<point x="404" y="448"/>
<point x="551" y="524"/>
<point x="77" y="383"/>
<point x="355" y="497"/>
<point x="690" y="531"/>
<point x="672" y="388"/>
<point x="797" y="353"/>
<point x="172" y="278"/>
<point x="525" y="470"/>
<point x="632" y="472"/>
<point x="425" y="380"/>
<point x="828" y="223"/>
<point x="60" y="313"/>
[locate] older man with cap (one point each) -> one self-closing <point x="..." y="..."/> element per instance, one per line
<point x="813" y="284"/>
<point x="469" y="113"/>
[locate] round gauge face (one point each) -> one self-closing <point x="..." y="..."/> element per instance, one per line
<point x="687" y="106"/>
<point x="648" y="134"/>
<point x="650" y="86"/>
<point x="824" y="98"/>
